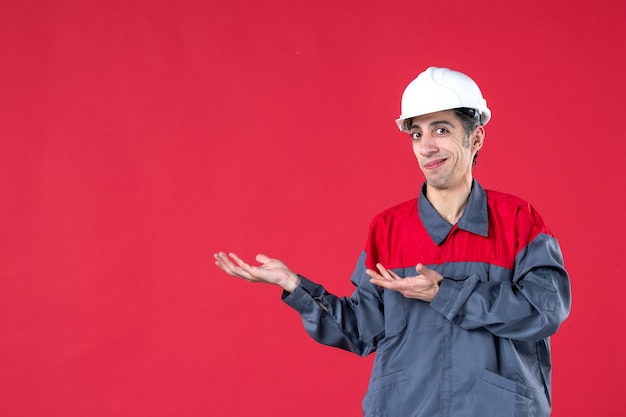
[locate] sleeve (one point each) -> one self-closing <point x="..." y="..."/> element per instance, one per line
<point x="354" y="323"/>
<point x="531" y="306"/>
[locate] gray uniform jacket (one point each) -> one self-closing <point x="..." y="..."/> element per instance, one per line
<point x="481" y="347"/>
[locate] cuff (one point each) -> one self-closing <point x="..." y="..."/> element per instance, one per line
<point x="302" y="295"/>
<point x="452" y="295"/>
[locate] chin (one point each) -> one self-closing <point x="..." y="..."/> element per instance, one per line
<point x="438" y="184"/>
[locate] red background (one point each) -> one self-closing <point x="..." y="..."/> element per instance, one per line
<point x="137" y="138"/>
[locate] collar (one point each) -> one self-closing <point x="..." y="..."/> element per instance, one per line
<point x="475" y="218"/>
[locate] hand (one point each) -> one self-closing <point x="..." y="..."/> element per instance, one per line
<point x="423" y="287"/>
<point x="271" y="271"/>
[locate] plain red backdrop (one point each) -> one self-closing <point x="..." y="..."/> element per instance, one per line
<point x="137" y="138"/>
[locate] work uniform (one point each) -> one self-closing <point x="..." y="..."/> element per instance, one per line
<point x="481" y="347"/>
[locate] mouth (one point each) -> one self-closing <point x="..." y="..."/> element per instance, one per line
<point x="435" y="163"/>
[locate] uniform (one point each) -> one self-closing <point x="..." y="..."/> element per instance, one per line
<point x="481" y="347"/>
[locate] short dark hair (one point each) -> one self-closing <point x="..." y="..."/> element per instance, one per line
<point x="470" y="119"/>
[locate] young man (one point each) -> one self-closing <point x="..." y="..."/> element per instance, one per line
<point x="457" y="291"/>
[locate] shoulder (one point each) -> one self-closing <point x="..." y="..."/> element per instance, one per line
<point x="507" y="204"/>
<point x="399" y="211"/>
<point x="389" y="224"/>
<point x="497" y="197"/>
<point x="513" y="208"/>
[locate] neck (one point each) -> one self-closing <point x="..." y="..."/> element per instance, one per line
<point x="449" y="202"/>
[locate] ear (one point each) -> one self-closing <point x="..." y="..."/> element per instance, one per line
<point x="478" y="138"/>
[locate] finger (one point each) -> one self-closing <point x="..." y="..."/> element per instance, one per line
<point x="428" y="273"/>
<point x="382" y="282"/>
<point x="263" y="259"/>
<point x="424" y="271"/>
<point x="240" y="262"/>
<point x="388" y="283"/>
<point x="387" y="273"/>
<point x="373" y="274"/>
<point x="394" y="275"/>
<point x="383" y="272"/>
<point x="244" y="267"/>
<point x="375" y="277"/>
<point x="225" y="262"/>
<point x="237" y="259"/>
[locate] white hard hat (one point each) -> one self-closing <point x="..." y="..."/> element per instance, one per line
<point x="438" y="89"/>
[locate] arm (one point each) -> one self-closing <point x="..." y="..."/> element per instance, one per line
<point x="529" y="307"/>
<point x="353" y="323"/>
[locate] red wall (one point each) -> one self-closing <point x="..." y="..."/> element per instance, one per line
<point x="137" y="138"/>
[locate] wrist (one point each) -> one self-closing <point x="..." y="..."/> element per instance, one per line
<point x="291" y="283"/>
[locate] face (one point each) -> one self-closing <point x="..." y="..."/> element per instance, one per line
<point x="443" y="150"/>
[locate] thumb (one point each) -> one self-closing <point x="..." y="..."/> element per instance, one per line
<point x="420" y="268"/>
<point x="262" y="258"/>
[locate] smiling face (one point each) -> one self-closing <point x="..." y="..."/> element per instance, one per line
<point x="443" y="149"/>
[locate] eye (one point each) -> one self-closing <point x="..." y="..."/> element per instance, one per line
<point x="441" y="131"/>
<point x="416" y="135"/>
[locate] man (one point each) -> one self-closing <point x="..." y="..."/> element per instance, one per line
<point x="457" y="291"/>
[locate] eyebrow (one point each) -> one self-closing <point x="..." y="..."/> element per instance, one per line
<point x="436" y="122"/>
